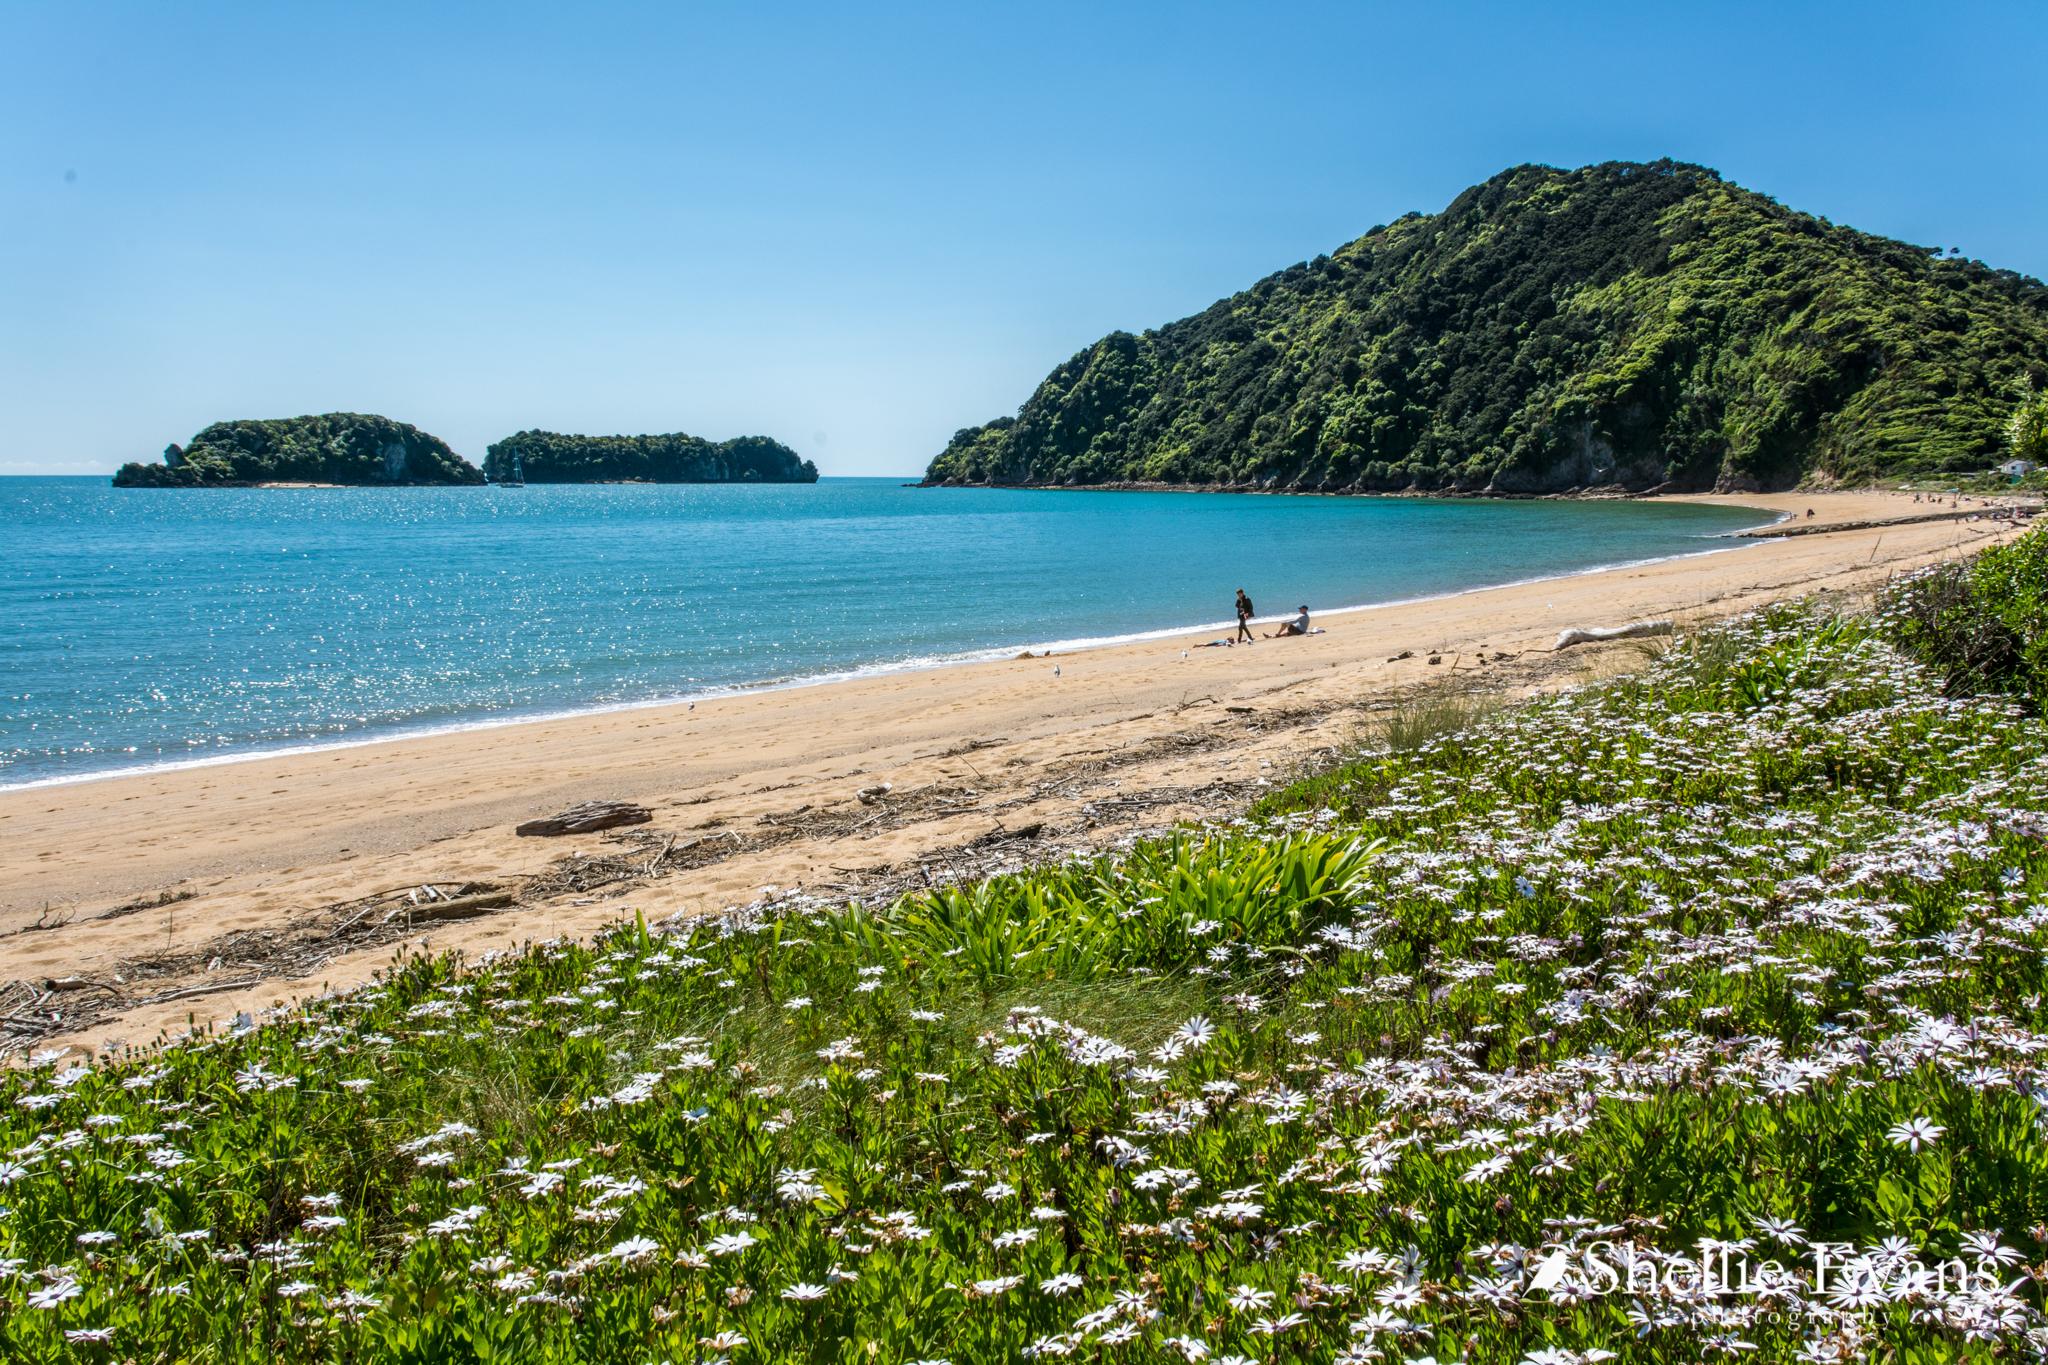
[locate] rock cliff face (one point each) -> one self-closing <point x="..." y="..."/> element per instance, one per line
<point x="549" y="457"/>
<point x="335" y="447"/>
<point x="1620" y="326"/>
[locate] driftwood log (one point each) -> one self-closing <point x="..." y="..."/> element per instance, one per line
<point x="460" y="907"/>
<point x="589" y="818"/>
<point x="1585" y="635"/>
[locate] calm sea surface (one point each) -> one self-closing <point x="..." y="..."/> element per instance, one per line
<point x="142" y="627"/>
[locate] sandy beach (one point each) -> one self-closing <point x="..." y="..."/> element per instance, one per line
<point x="135" y="905"/>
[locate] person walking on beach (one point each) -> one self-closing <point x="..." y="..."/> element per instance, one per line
<point x="1244" y="617"/>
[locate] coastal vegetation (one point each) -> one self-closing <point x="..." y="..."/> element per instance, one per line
<point x="549" y="457"/>
<point x="1622" y="325"/>
<point x="330" y="448"/>
<point x="1738" y="960"/>
<point x="2026" y="433"/>
<point x="358" y="449"/>
<point x="1983" y="622"/>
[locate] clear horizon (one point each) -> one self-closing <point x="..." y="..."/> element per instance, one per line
<point x="855" y="232"/>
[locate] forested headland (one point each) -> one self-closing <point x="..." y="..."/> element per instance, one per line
<point x="1619" y="326"/>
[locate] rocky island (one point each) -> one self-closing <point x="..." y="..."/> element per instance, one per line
<point x="550" y="457"/>
<point x="1625" y="326"/>
<point x="343" y="448"/>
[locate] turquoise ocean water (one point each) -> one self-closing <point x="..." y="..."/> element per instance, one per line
<point x="143" y="627"/>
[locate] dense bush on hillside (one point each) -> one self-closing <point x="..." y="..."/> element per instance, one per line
<point x="1636" y="325"/>
<point x="1743" y="960"/>
<point x="332" y="447"/>
<point x="548" y="457"/>
<point x="2026" y="434"/>
<point x="1983" y="622"/>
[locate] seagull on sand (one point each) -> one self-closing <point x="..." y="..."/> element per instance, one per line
<point x="1055" y="670"/>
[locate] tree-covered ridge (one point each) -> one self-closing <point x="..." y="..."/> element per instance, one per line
<point x="1636" y="325"/>
<point x="331" y="447"/>
<point x="550" y="457"/>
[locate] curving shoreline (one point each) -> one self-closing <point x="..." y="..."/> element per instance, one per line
<point x="1716" y="543"/>
<point x="259" y="846"/>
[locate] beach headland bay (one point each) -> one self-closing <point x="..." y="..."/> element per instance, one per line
<point x="250" y="880"/>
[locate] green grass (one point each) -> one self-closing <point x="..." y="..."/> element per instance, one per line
<point x="1668" y="958"/>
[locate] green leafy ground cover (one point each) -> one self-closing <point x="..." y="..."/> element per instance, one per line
<point x="1748" y="949"/>
<point x="1983" y="622"/>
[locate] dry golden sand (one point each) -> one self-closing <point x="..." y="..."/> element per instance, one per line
<point x="268" y="842"/>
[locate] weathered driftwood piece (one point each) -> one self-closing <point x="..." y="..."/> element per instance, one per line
<point x="211" y="988"/>
<point x="589" y="818"/>
<point x="76" y="983"/>
<point x="1584" y="635"/>
<point x="461" y="907"/>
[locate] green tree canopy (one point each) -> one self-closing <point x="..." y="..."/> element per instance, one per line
<point x="550" y="457"/>
<point x="331" y="447"/>
<point x="1641" y="326"/>
<point x="2027" y="433"/>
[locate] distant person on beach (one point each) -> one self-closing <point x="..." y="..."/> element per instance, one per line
<point x="1244" y="617"/>
<point x="1298" y="626"/>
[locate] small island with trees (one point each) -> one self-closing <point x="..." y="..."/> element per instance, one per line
<point x="364" y="450"/>
<point x="550" y="457"/>
<point x="344" y="448"/>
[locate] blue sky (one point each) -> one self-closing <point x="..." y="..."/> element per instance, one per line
<point x="853" y="227"/>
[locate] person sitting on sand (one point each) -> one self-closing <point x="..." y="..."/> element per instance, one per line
<point x="1298" y="626"/>
<point x="1244" y="617"/>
